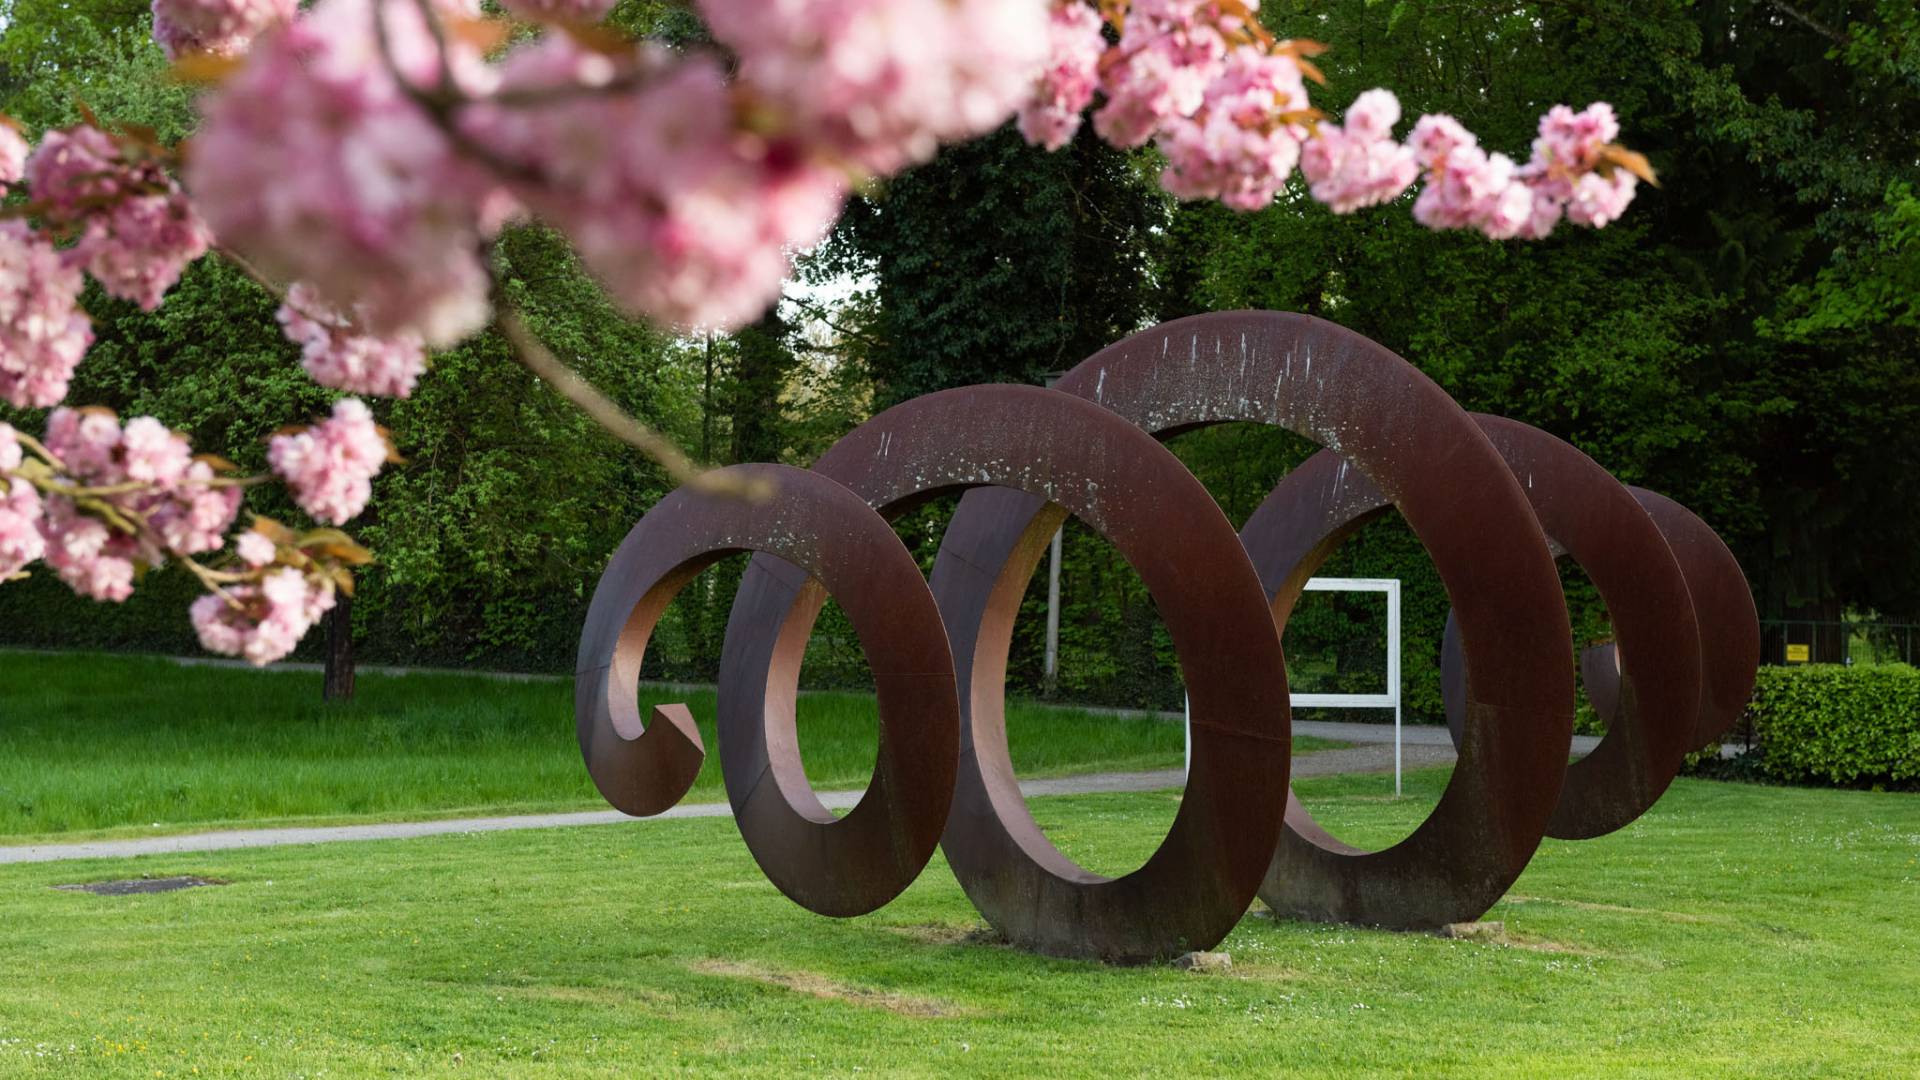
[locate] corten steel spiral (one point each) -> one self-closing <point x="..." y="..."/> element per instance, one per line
<point x="1494" y="502"/>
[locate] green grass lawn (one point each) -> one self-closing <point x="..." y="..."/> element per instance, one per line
<point x="1734" y="931"/>
<point x="103" y="746"/>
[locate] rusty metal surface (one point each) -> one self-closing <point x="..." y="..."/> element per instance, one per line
<point x="1723" y="614"/>
<point x="1400" y="433"/>
<point x="846" y="866"/>
<point x="1724" y="610"/>
<point x="1593" y="519"/>
<point x="1042" y="448"/>
<point x="1476" y="492"/>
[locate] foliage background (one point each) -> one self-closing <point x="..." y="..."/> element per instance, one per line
<point x="1746" y="340"/>
<point x="1832" y="725"/>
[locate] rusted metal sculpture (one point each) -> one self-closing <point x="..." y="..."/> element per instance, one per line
<point x="1484" y="495"/>
<point x="1052" y="450"/>
<point x="1592" y="518"/>
<point x="832" y="536"/>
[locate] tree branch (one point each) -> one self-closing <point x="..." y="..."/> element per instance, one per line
<point x="1810" y="22"/>
<point x="550" y="369"/>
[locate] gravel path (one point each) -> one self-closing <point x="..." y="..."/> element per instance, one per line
<point x="1369" y="758"/>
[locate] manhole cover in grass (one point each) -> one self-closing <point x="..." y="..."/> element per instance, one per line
<point x="139" y="885"/>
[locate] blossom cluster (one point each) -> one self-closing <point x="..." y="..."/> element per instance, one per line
<point x="317" y="162"/>
<point x="687" y="216"/>
<point x="881" y="83"/>
<point x="1225" y="102"/>
<point x="339" y="354"/>
<point x="20" y="511"/>
<point x="110" y="499"/>
<point x="43" y="332"/>
<point x="330" y="466"/>
<point x="1228" y="106"/>
<point x="261" y="621"/>
<point x="365" y="155"/>
<point x="1570" y="175"/>
<point x="1244" y="140"/>
<point x="1359" y="163"/>
<point x="1075" y="44"/>
<point x="220" y="28"/>
<point x="136" y="230"/>
<point x="100" y="501"/>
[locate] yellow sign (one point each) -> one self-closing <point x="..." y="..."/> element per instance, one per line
<point x="1799" y="654"/>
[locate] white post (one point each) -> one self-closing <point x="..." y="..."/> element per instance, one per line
<point x="1393" y="673"/>
<point x="1188" y="768"/>
<point x="1390" y="699"/>
<point x="1050" y="666"/>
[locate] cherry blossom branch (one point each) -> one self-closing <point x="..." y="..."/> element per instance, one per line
<point x="215" y="581"/>
<point x="441" y="104"/>
<point x="533" y="355"/>
<point x="684" y="182"/>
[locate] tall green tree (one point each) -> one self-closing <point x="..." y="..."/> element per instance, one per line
<point x="997" y="262"/>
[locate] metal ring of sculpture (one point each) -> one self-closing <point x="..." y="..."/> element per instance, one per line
<point x="1724" y="611"/>
<point x="1072" y="454"/>
<point x="814" y="523"/>
<point x="1398" y="427"/>
<point x="1028" y="457"/>
<point x="1594" y="520"/>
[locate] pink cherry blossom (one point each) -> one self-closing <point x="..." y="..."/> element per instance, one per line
<point x="215" y="27"/>
<point x="194" y="516"/>
<point x="339" y="355"/>
<point x="1568" y="176"/>
<point x="1548" y="209"/>
<point x="151" y="453"/>
<point x="93" y="560"/>
<point x="1167" y="58"/>
<point x="1472" y="189"/>
<point x="185" y="511"/>
<point x="137" y="230"/>
<point x="10" y="452"/>
<point x="13" y="154"/>
<point x="1074" y="47"/>
<point x="43" y="332"/>
<point x="1572" y="140"/>
<point x="139" y="248"/>
<point x="315" y="163"/>
<point x="881" y="83"/>
<point x="20" y="518"/>
<point x="1237" y="149"/>
<point x="1359" y="164"/>
<point x="261" y="622"/>
<point x="1566" y="171"/>
<point x="685" y="217"/>
<point x="76" y="171"/>
<point x="255" y="550"/>
<point x="1598" y="200"/>
<point x="87" y="442"/>
<point x="1435" y="136"/>
<point x="330" y="466"/>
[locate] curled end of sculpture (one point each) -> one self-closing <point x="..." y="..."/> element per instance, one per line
<point x="648" y="774"/>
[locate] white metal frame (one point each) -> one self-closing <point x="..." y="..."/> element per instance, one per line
<point x="1388" y="700"/>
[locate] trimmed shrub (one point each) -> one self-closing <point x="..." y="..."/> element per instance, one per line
<point x="1851" y="726"/>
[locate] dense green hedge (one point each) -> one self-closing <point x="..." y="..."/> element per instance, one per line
<point x="1854" y="726"/>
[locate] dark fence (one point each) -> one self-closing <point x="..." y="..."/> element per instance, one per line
<point x="1812" y="641"/>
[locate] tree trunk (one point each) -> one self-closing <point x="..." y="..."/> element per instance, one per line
<point x="338" y="685"/>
